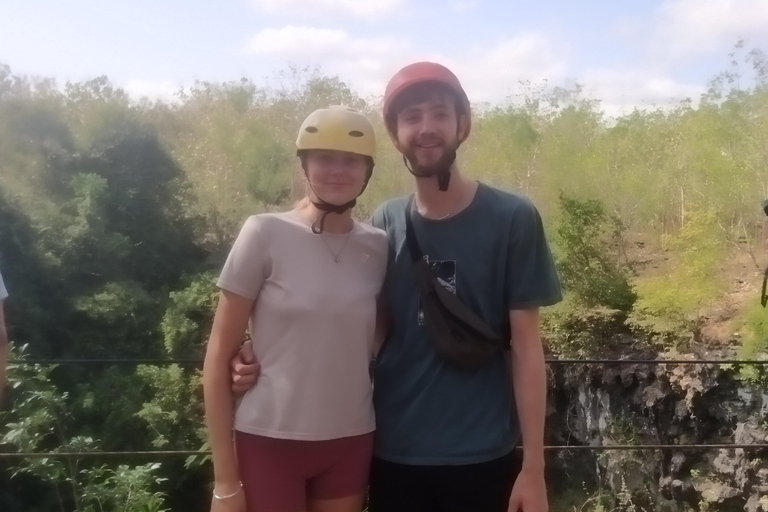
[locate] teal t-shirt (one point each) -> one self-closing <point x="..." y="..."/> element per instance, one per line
<point x="494" y="256"/>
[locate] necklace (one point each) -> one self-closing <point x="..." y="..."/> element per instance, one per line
<point x="454" y="210"/>
<point x="336" y="255"/>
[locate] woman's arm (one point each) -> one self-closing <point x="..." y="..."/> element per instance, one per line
<point x="229" y="324"/>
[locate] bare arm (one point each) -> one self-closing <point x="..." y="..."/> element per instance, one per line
<point x="228" y="327"/>
<point x="3" y="348"/>
<point x="529" y="492"/>
<point x="530" y="384"/>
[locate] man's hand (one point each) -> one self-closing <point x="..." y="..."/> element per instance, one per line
<point x="245" y="370"/>
<point x="529" y="494"/>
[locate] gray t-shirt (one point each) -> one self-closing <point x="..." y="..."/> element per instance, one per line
<point x="494" y="256"/>
<point x="312" y="324"/>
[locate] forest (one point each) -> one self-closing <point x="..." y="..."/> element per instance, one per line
<point x="116" y="216"/>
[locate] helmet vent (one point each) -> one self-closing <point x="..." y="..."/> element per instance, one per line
<point x="355" y="133"/>
<point x="351" y="109"/>
<point x="311" y="129"/>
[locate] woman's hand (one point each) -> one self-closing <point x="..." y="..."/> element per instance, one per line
<point x="234" y="503"/>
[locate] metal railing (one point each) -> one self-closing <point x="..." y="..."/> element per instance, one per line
<point x="552" y="448"/>
<point x="195" y="362"/>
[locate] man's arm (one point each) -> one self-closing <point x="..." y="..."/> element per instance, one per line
<point x="529" y="378"/>
<point x="530" y="383"/>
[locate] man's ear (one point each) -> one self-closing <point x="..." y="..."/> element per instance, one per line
<point x="393" y="137"/>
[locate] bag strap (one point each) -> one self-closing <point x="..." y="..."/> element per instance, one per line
<point x="410" y="234"/>
<point x="417" y="255"/>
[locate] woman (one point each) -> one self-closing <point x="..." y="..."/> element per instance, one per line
<point x="305" y="282"/>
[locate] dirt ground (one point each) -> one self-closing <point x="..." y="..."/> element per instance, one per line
<point x="741" y="277"/>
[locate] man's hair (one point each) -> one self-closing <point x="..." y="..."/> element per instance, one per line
<point x="419" y="93"/>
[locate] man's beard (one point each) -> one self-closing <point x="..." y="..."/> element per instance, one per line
<point x="426" y="170"/>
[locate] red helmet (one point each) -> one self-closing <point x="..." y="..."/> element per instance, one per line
<point x="420" y="72"/>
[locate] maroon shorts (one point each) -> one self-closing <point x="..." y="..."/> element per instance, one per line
<point x="281" y="475"/>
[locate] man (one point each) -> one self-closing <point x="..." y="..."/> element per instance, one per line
<point x="445" y="437"/>
<point x="3" y="335"/>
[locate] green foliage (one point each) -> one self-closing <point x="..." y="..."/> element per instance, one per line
<point x="106" y="402"/>
<point x="586" y="237"/>
<point x="755" y="332"/>
<point x="754" y="343"/>
<point x="41" y="421"/>
<point x="598" y="293"/>
<point x="672" y="304"/>
<point x="123" y="489"/>
<point x="175" y="412"/>
<point x="571" y="330"/>
<point x="114" y="301"/>
<point x="188" y="318"/>
<point x="580" y="499"/>
<point x="622" y="431"/>
<point x="116" y="215"/>
<point x="503" y="144"/>
<point x="36" y="308"/>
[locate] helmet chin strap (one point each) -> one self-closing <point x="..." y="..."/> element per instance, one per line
<point x="318" y="226"/>
<point x="443" y="179"/>
<point x="443" y="174"/>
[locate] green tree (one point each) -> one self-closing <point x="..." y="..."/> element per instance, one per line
<point x="587" y="257"/>
<point x="673" y="304"/>
<point x="41" y="421"/>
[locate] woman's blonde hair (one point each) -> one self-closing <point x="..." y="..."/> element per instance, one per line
<point x="302" y="203"/>
<point x="299" y="193"/>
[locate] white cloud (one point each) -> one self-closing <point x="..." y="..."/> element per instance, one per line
<point x="489" y="74"/>
<point x="493" y="73"/>
<point x="622" y="90"/>
<point x="312" y="43"/>
<point x="694" y="27"/>
<point x="362" y="61"/>
<point x="163" y="90"/>
<point x="367" y="9"/>
<point x="291" y="41"/>
<point x="628" y="28"/>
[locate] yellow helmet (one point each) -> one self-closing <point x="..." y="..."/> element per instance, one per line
<point x="337" y="128"/>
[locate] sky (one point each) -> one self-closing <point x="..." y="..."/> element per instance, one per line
<point x="625" y="53"/>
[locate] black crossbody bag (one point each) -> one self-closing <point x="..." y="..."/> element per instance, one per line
<point x="458" y="334"/>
